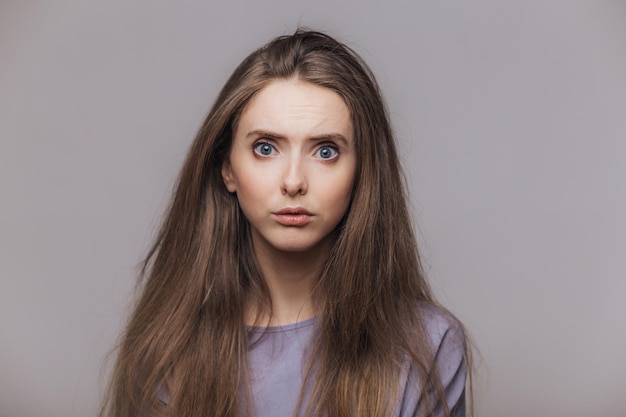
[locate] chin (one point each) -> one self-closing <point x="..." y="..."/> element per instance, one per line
<point x="299" y="245"/>
<point x="296" y="243"/>
<point x="295" y="247"/>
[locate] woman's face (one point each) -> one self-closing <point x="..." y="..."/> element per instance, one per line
<point x="292" y="165"/>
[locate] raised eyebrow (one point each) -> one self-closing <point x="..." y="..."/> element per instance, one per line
<point x="336" y="137"/>
<point x="264" y="133"/>
<point x="319" y="138"/>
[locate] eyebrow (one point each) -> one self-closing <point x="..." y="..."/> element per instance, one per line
<point x="330" y="136"/>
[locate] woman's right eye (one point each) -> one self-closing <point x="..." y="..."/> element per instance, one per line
<point x="264" y="149"/>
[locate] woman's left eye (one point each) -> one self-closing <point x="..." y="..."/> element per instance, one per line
<point x="327" y="152"/>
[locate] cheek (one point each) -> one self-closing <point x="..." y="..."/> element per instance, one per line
<point x="339" y="194"/>
<point x="345" y="183"/>
<point x="252" y="187"/>
<point x="248" y="179"/>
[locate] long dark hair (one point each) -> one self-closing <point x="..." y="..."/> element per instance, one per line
<point x="187" y="336"/>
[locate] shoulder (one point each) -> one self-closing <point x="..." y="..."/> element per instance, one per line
<point x="443" y="329"/>
<point x="448" y="346"/>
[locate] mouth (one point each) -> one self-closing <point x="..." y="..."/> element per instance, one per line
<point x="293" y="211"/>
<point x="293" y="216"/>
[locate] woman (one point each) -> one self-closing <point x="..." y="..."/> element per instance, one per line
<point x="285" y="279"/>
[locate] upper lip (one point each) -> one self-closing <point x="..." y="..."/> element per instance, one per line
<point x="294" y="210"/>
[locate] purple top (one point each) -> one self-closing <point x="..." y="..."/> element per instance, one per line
<point x="277" y="367"/>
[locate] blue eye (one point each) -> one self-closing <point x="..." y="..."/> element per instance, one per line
<point x="264" y="149"/>
<point x="326" y="152"/>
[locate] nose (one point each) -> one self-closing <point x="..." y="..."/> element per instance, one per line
<point x="294" y="181"/>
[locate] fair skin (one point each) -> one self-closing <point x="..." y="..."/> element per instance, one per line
<point x="292" y="165"/>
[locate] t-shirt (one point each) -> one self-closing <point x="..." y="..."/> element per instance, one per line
<point x="277" y="364"/>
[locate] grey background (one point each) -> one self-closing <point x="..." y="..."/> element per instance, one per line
<point x="512" y="128"/>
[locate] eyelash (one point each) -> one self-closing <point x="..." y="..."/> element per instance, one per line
<point x="257" y="145"/>
<point x="328" y="146"/>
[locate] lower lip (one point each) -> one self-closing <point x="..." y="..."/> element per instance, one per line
<point x="293" y="219"/>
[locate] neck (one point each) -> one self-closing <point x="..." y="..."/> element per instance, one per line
<point x="290" y="277"/>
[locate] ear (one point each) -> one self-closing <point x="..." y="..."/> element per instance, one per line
<point x="227" y="176"/>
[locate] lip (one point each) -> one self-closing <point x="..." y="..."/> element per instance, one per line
<point x="293" y="216"/>
<point x="294" y="210"/>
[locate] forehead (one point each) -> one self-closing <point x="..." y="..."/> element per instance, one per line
<point x="296" y="108"/>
